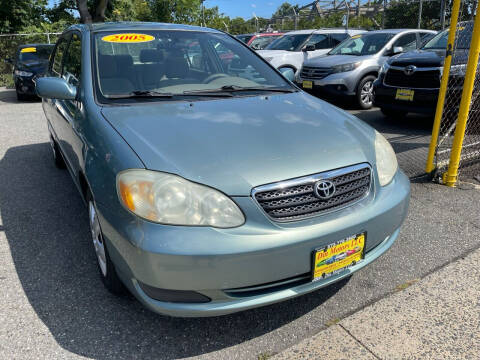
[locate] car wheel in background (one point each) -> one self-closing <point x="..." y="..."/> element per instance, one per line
<point x="393" y="114"/>
<point x="21" y="97"/>
<point x="57" y="156"/>
<point x="107" y="270"/>
<point x="365" y="92"/>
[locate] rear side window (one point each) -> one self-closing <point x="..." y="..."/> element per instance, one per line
<point x="72" y="66"/>
<point x="57" y="57"/>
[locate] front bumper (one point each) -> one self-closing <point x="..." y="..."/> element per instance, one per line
<point x="424" y="100"/>
<point x="212" y="261"/>
<point x="25" y="85"/>
<point x="335" y="84"/>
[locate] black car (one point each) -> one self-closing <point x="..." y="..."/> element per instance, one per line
<point x="31" y="61"/>
<point x="410" y="82"/>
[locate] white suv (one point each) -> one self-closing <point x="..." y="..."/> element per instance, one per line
<point x="293" y="48"/>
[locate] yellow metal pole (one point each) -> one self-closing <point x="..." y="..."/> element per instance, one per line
<point x="450" y="177"/>
<point x="443" y="86"/>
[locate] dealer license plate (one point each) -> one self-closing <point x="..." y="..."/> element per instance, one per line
<point x="307" y="84"/>
<point x="336" y="257"/>
<point x="404" y="94"/>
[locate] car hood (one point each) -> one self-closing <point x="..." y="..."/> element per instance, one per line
<point x="274" y="53"/>
<point x="332" y="60"/>
<point x="236" y="144"/>
<point x="421" y="58"/>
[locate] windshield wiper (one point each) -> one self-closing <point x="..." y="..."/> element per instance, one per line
<point x="141" y="94"/>
<point x="227" y="90"/>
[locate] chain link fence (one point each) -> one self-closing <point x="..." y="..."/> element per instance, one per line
<point x="365" y="14"/>
<point x="8" y="47"/>
<point x="447" y="147"/>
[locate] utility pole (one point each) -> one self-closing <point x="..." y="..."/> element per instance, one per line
<point x="420" y="8"/>
<point x="442" y="14"/>
<point x="203" y="13"/>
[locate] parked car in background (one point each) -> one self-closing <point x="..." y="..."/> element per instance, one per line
<point x="31" y="61"/>
<point x="211" y="185"/>
<point x="351" y="68"/>
<point x="245" y="37"/>
<point x="262" y="40"/>
<point x="410" y="82"/>
<point x="295" y="47"/>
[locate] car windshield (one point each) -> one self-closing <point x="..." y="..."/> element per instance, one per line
<point x="261" y="42"/>
<point x="365" y="44"/>
<point x="35" y="53"/>
<point x="164" y="63"/>
<point x="288" y="42"/>
<point x="244" y="37"/>
<point x="462" y="41"/>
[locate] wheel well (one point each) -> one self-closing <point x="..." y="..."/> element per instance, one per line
<point x="374" y="73"/>
<point x="83" y="185"/>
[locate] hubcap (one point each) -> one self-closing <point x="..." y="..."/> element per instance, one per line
<point x="97" y="238"/>
<point x="366" y="95"/>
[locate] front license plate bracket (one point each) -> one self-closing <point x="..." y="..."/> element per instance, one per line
<point x="338" y="256"/>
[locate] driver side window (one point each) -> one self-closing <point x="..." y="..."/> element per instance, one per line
<point x="57" y="57"/>
<point x="407" y="42"/>
<point x="320" y="41"/>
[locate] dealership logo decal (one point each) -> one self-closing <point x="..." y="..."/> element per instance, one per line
<point x="410" y="69"/>
<point x="324" y="189"/>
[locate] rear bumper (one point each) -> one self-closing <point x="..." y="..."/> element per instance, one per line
<point x="424" y="100"/>
<point x="213" y="261"/>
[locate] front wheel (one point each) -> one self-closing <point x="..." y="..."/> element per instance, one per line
<point x="365" y="92"/>
<point x="108" y="273"/>
<point x="21" y="97"/>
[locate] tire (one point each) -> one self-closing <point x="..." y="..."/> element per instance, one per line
<point x="106" y="268"/>
<point x="364" y="93"/>
<point x="57" y="156"/>
<point x="393" y="114"/>
<point x="21" y="97"/>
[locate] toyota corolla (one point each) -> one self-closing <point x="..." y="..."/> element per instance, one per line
<point x="212" y="183"/>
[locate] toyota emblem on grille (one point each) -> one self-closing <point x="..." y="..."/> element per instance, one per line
<point x="324" y="189"/>
<point x="410" y="69"/>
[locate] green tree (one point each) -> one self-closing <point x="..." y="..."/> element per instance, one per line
<point x="15" y="15"/>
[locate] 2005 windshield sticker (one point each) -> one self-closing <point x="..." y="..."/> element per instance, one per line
<point x="28" y="49"/>
<point x="128" y="38"/>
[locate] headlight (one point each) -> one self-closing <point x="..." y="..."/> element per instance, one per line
<point x="387" y="164"/>
<point x="170" y="199"/>
<point x="458" y="70"/>
<point x="23" y="73"/>
<point x="384" y="68"/>
<point x="346" y="67"/>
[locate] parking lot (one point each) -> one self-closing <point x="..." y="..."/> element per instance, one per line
<point x="53" y="304"/>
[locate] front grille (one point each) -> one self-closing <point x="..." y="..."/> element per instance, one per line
<point x="429" y="79"/>
<point x="295" y="199"/>
<point x="309" y="72"/>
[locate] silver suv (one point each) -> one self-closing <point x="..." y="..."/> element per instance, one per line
<point x="351" y="68"/>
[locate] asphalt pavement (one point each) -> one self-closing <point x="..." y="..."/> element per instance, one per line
<point x="53" y="305"/>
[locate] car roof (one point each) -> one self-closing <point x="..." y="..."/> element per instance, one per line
<point x="398" y="31"/>
<point x="326" y="30"/>
<point x="137" y="25"/>
<point x="34" y="45"/>
<point x="270" y="34"/>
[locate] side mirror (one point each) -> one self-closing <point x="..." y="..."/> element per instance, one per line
<point x="287" y="73"/>
<point x="55" y="88"/>
<point x="308" y="48"/>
